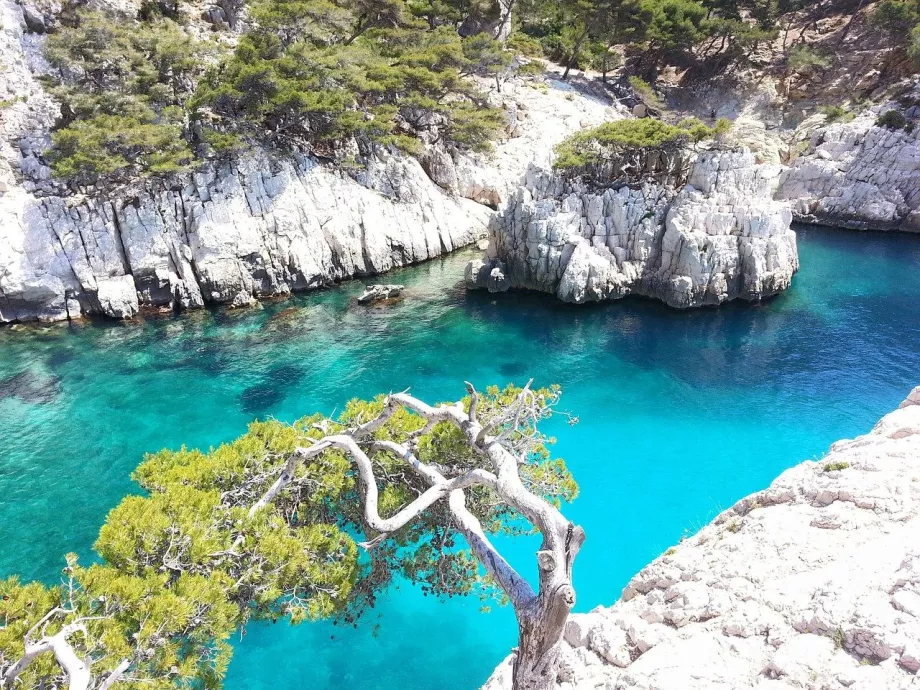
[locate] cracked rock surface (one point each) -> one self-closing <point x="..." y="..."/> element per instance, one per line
<point x="813" y="583"/>
<point x="857" y="175"/>
<point x="717" y="238"/>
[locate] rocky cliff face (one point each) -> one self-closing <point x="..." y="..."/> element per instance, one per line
<point x="262" y="225"/>
<point x="857" y="175"/>
<point x="813" y="583"/>
<point x="718" y="237"/>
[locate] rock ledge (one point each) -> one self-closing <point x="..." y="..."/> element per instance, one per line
<point x="813" y="583"/>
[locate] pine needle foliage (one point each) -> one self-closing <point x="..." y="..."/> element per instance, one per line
<point x="189" y="563"/>
<point x="593" y="146"/>
<point x="316" y="73"/>
<point x="123" y="85"/>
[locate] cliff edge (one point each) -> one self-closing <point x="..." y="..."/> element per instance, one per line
<point x="812" y="583"/>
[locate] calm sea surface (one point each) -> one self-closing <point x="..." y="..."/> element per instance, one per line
<point x="682" y="413"/>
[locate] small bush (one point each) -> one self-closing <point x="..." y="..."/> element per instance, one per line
<point x="593" y="145"/>
<point x="646" y="93"/>
<point x="533" y="68"/>
<point x="524" y="44"/>
<point x="733" y="526"/>
<point x="835" y="466"/>
<point x="893" y="119"/>
<point x="835" y="113"/>
<point x="804" y="58"/>
<point x="670" y="552"/>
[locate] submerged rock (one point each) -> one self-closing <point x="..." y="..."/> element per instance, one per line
<point x="31" y="387"/>
<point x="705" y="236"/>
<point x="811" y="583"/>
<point x="374" y="293"/>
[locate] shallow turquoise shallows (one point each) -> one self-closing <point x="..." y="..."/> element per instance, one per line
<point x="682" y="413"/>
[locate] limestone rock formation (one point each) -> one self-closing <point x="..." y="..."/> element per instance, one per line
<point x="857" y="175"/>
<point x="718" y="237"/>
<point x="263" y="225"/>
<point x="813" y="583"/>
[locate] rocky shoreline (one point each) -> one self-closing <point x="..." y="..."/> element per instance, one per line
<point x="857" y="175"/>
<point x="267" y="224"/>
<point x="812" y="583"/>
<point x="262" y="225"/>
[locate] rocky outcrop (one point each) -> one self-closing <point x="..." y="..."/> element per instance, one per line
<point x="857" y="175"/>
<point x="255" y="228"/>
<point x="813" y="583"/>
<point x="718" y="237"/>
<point x="266" y="224"/>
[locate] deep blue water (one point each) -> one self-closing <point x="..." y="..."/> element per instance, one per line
<point x="682" y="413"/>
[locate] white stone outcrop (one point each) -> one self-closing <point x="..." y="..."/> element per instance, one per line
<point x="719" y="237"/>
<point x="262" y="225"/>
<point x="813" y="583"/>
<point x="857" y="175"/>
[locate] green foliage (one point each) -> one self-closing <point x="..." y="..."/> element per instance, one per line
<point x="187" y="564"/>
<point x="593" y="146"/>
<point x="317" y="73"/>
<point x="675" y="24"/>
<point x="897" y="17"/>
<point x="122" y="86"/>
<point x="118" y="147"/>
<point x="801" y="58"/>
<point x="835" y="466"/>
<point x="526" y="45"/>
<point x="892" y="119"/>
<point x="646" y="93"/>
<point x="835" y="113"/>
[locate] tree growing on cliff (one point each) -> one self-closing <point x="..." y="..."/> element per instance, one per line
<point x="474" y="466"/>
<point x="262" y="528"/>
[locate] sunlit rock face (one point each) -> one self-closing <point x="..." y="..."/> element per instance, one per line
<point x="699" y="232"/>
<point x="811" y="583"/>
<point x="857" y="175"/>
<point x="267" y="223"/>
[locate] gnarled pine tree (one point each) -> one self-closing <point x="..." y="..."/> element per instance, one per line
<point x="484" y="448"/>
<point x="261" y="528"/>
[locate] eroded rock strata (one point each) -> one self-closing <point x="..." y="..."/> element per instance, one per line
<point x="857" y="175"/>
<point x="712" y="235"/>
<point x="812" y="583"/>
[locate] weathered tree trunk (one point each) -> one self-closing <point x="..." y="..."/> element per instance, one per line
<point x="541" y="623"/>
<point x="541" y="614"/>
<point x="539" y="640"/>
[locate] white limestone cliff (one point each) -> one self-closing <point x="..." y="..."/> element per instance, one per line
<point x="857" y="175"/>
<point x="813" y="583"/>
<point x="263" y="225"/>
<point x="718" y="237"/>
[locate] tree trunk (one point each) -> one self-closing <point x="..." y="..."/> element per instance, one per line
<point x="575" y="49"/>
<point x="539" y="641"/>
<point x="541" y="622"/>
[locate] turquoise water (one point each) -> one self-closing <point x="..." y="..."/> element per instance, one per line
<point x="681" y="415"/>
